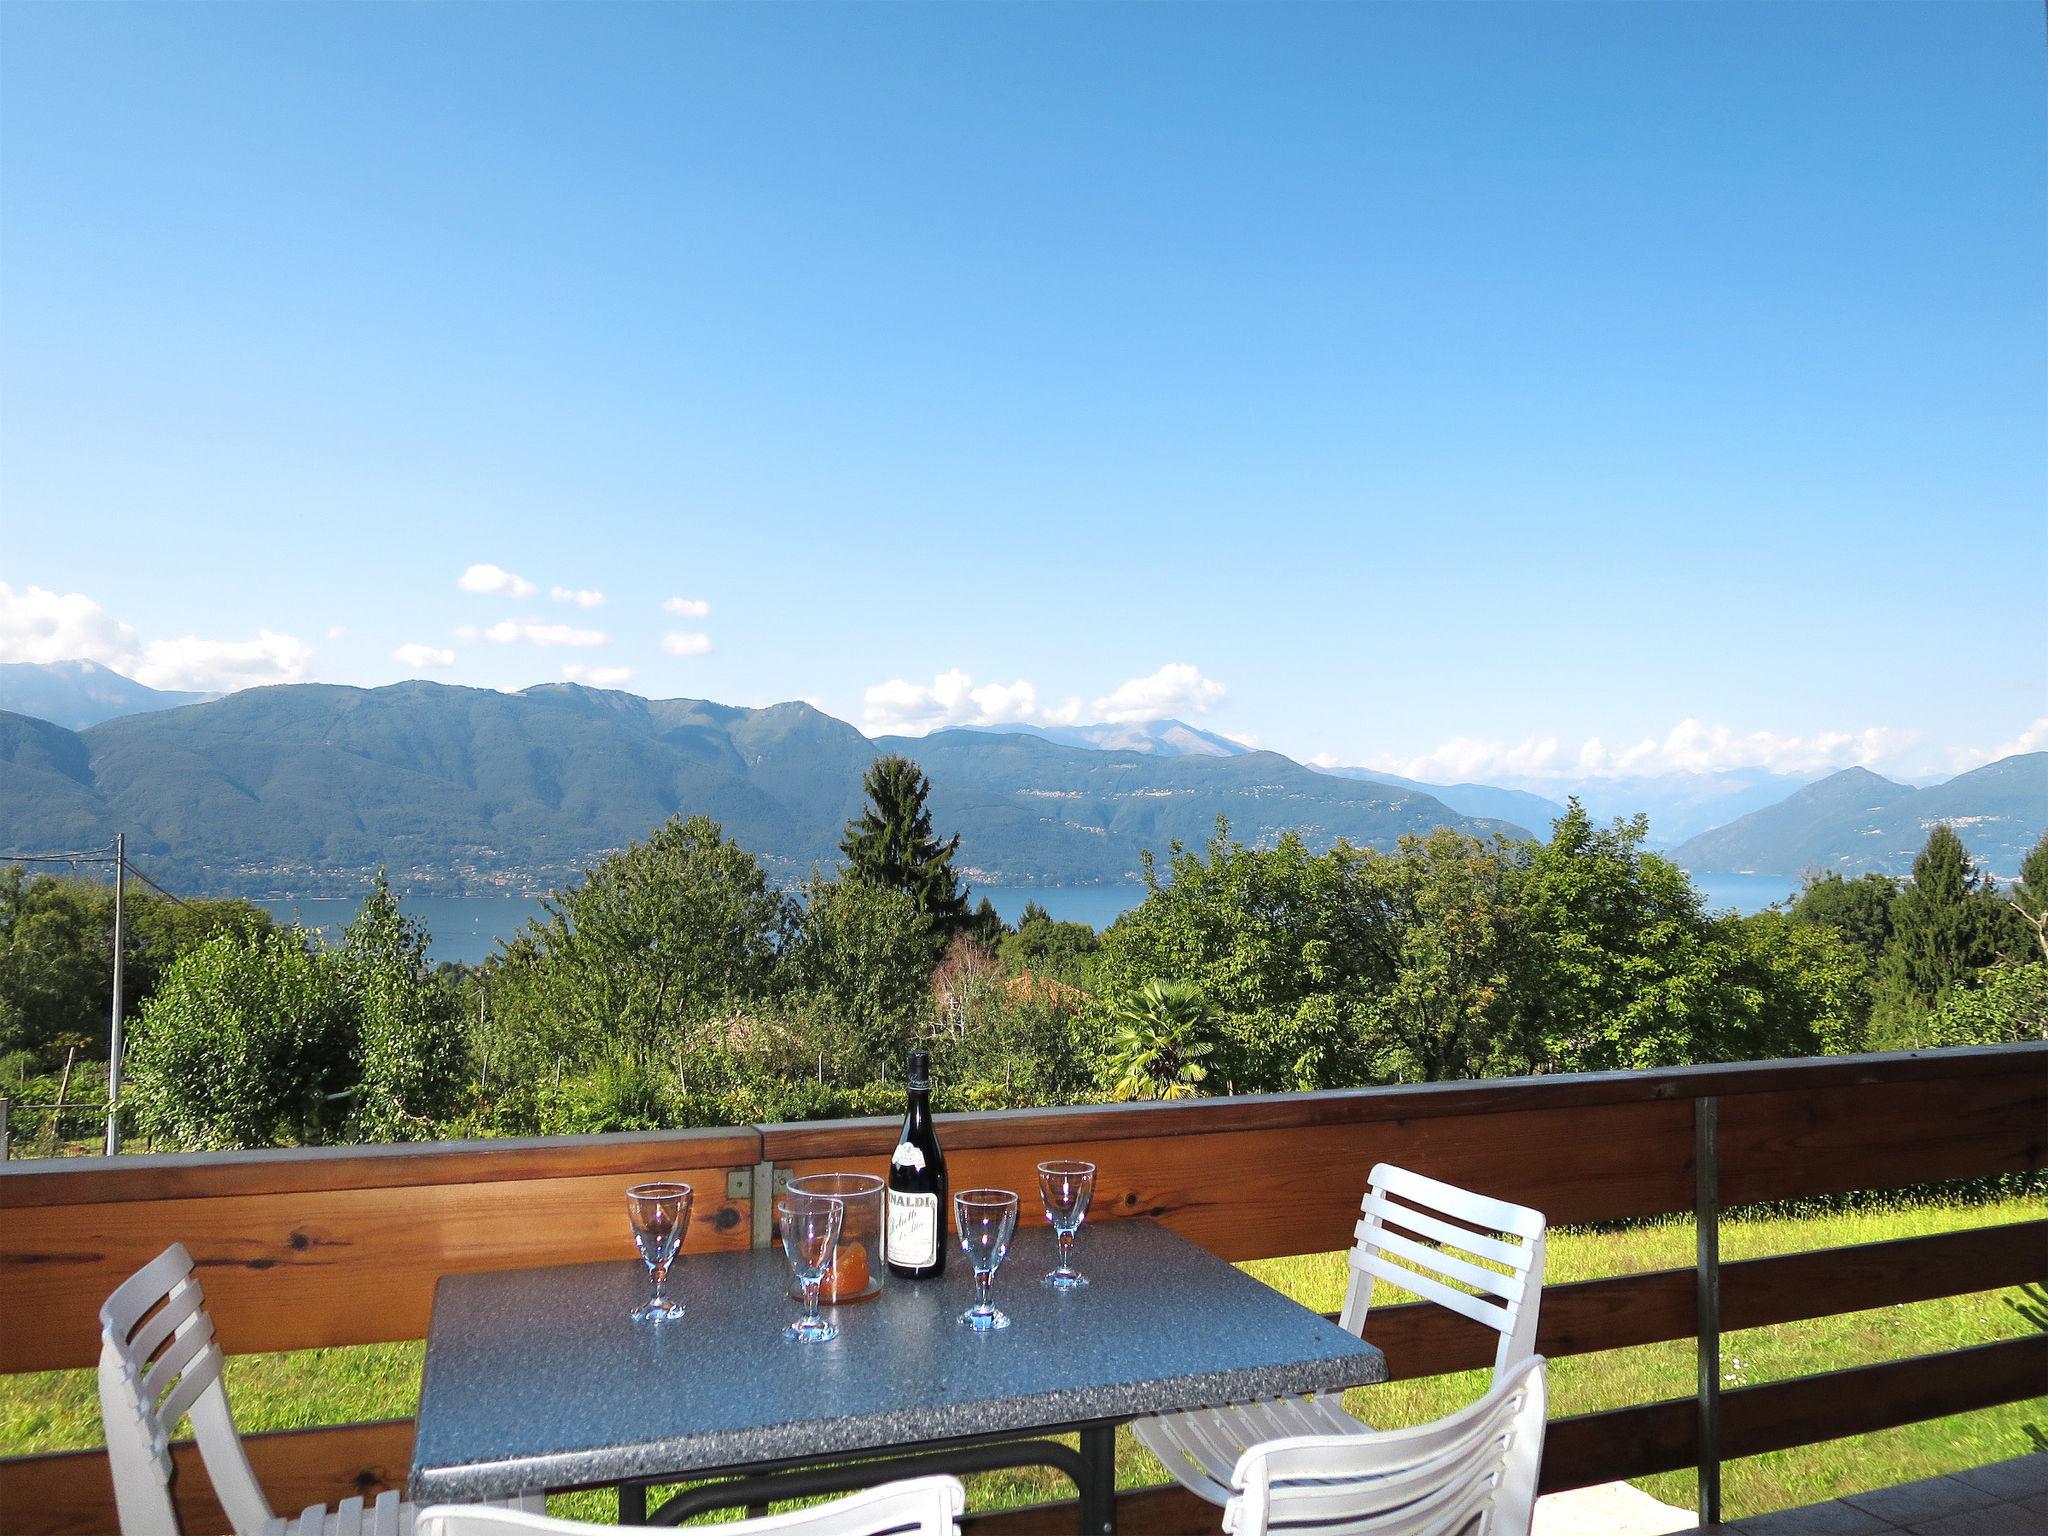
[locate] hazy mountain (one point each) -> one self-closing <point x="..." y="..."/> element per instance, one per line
<point x="1163" y="738"/>
<point x="306" y="787"/>
<point x="1679" y="805"/>
<point x="1856" y="820"/>
<point x="76" y="694"/>
<point x="1517" y="805"/>
<point x="1080" y="810"/>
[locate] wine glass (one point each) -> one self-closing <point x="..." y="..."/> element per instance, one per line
<point x="810" y="1233"/>
<point x="984" y="1218"/>
<point x="1066" y="1185"/>
<point x="661" y="1215"/>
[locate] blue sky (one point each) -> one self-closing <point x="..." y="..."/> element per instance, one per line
<point x="1407" y="384"/>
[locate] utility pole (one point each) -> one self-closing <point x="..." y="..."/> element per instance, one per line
<point x="114" y="1043"/>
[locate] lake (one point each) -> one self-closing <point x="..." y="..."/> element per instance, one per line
<point x="469" y="928"/>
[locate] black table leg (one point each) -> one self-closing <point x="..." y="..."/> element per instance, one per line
<point x="632" y="1503"/>
<point x="1098" y="1481"/>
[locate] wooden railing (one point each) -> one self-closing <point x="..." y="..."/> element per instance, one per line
<point x="343" y="1246"/>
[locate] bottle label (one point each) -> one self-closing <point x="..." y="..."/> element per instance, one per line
<point x="913" y="1229"/>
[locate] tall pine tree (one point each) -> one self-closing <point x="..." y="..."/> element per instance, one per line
<point x="891" y="843"/>
<point x="1946" y="926"/>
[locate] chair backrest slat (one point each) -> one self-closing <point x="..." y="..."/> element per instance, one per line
<point x="1479" y="1308"/>
<point x="1415" y="1219"/>
<point x="1425" y="1257"/>
<point x="159" y="1363"/>
<point x="185" y="1300"/>
<point x="1478" y="1465"/>
<point x="1466" y="1233"/>
<point x="178" y="1358"/>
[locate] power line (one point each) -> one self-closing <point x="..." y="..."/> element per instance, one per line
<point x="60" y="858"/>
<point x="167" y="895"/>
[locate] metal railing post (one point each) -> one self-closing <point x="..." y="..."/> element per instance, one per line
<point x="764" y="1204"/>
<point x="1706" y="1205"/>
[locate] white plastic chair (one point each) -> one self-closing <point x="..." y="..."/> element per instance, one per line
<point x="917" y="1506"/>
<point x="159" y="1362"/>
<point x="1471" y="1474"/>
<point x="1200" y="1448"/>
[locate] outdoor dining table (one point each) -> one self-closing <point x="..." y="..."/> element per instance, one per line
<point x="538" y="1379"/>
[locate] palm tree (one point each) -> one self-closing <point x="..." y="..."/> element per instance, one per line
<point x="1157" y="1049"/>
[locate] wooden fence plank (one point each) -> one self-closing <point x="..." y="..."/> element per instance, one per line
<point x="1258" y="1194"/>
<point x="72" y="1495"/>
<point x="1822" y="1141"/>
<point x="206" y="1175"/>
<point x="298" y="1271"/>
<point x="793" y="1143"/>
<point x="1867" y="1398"/>
<point x="1652" y="1307"/>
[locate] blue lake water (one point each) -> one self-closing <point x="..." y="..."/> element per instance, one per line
<point x="469" y="928"/>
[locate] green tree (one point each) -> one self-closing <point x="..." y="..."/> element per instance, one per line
<point x="891" y="843"/>
<point x="860" y="963"/>
<point x="57" y="952"/>
<point x="1447" y="1010"/>
<point x="1947" y="925"/>
<point x="412" y="1057"/>
<point x="1161" y="1036"/>
<point x="1043" y="947"/>
<point x="2029" y="896"/>
<point x="1860" y="910"/>
<point x="2009" y="1005"/>
<point x="654" y="939"/>
<point x="249" y="1042"/>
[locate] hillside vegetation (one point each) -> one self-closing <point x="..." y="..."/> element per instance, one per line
<point x="310" y="788"/>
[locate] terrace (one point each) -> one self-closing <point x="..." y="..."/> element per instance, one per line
<point x="343" y="1246"/>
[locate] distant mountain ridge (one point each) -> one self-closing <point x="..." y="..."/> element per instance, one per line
<point x="1165" y="738"/>
<point x="76" y="694"/>
<point x="1856" y="821"/>
<point x="1518" y="805"/>
<point x="302" y="788"/>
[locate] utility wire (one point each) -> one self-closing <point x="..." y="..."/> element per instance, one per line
<point x="138" y="874"/>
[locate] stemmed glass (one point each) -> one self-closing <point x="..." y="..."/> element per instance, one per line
<point x="1066" y="1186"/>
<point x="661" y="1215"/>
<point x="984" y="1218"/>
<point x="810" y="1235"/>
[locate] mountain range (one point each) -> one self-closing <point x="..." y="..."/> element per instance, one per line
<point x="309" y="787"/>
<point x="304" y="788"/>
<point x="1856" y="821"/>
<point x="76" y="694"/>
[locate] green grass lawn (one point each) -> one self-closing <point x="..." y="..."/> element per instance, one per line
<point x="57" y="1410"/>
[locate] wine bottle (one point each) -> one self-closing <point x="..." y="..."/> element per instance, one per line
<point x="916" y="1245"/>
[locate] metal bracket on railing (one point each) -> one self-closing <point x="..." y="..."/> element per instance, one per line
<point x="1706" y="1209"/>
<point x="766" y="1181"/>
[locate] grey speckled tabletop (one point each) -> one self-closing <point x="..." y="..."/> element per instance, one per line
<point x="536" y="1378"/>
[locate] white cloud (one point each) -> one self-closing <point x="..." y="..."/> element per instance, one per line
<point x="679" y="643"/>
<point x="426" y="657"/>
<point x="2034" y="738"/>
<point x="506" y="631"/>
<point x="1175" y="689"/>
<point x="952" y="699"/>
<point x="336" y="631"/>
<point x="598" y="677"/>
<point x="1691" y="746"/>
<point x="688" y="607"/>
<point x="40" y="625"/>
<point x="582" y="597"/>
<point x="221" y="666"/>
<point x="495" y="580"/>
